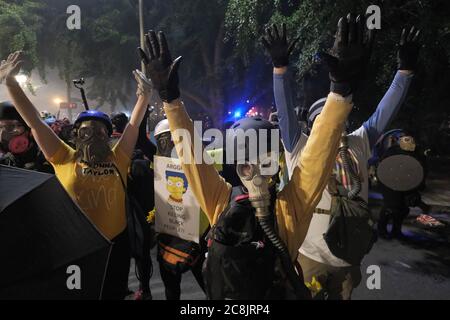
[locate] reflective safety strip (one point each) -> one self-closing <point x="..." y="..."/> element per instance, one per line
<point x="174" y="256"/>
<point x="175" y="251"/>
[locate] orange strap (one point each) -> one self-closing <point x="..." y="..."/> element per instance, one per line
<point x="174" y="251"/>
<point x="174" y="256"/>
<point x="172" y="259"/>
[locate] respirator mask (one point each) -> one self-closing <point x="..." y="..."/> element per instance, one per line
<point x="165" y="144"/>
<point x="14" y="137"/>
<point x="92" y="142"/>
<point x="257" y="180"/>
<point x="407" y="143"/>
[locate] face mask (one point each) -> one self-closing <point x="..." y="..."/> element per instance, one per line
<point x="407" y="143"/>
<point x="14" y="138"/>
<point x="256" y="180"/>
<point x="92" y="142"/>
<point x="165" y="144"/>
<point x="19" y="144"/>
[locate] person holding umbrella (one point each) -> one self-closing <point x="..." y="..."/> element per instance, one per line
<point x="91" y="173"/>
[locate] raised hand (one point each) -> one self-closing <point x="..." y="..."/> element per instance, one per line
<point x="408" y="49"/>
<point x="278" y="46"/>
<point x="10" y="67"/>
<point x="350" y="54"/>
<point x="160" y="68"/>
<point x="144" y="84"/>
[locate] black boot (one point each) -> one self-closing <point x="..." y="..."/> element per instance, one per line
<point x="382" y="223"/>
<point x="398" y="216"/>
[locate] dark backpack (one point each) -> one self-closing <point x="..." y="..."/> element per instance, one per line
<point x="241" y="261"/>
<point x="136" y="224"/>
<point x="350" y="235"/>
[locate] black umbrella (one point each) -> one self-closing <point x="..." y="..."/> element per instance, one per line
<point x="47" y="244"/>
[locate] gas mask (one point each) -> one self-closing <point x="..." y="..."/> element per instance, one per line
<point x="257" y="179"/>
<point x="165" y="144"/>
<point x="92" y="142"/>
<point x="14" y="137"/>
<point x="407" y="143"/>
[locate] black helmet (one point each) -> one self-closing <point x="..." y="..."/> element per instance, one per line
<point x="119" y="120"/>
<point x="243" y="126"/>
<point x="9" y="112"/>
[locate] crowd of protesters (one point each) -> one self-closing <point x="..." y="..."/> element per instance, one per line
<point x="263" y="236"/>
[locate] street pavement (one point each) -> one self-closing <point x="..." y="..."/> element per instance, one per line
<point x="417" y="267"/>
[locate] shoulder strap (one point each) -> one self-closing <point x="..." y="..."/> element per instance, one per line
<point x="235" y="191"/>
<point x="346" y="159"/>
<point x="121" y="179"/>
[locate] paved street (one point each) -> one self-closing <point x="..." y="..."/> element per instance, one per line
<point x="416" y="268"/>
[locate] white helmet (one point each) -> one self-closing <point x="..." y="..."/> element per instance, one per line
<point x="161" y="127"/>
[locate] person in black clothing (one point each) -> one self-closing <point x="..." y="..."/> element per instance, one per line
<point x="17" y="147"/>
<point x="141" y="186"/>
<point x="396" y="204"/>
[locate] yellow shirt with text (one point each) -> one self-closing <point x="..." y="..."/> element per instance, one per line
<point x="97" y="189"/>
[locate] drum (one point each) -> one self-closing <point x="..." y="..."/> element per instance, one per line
<point x="398" y="169"/>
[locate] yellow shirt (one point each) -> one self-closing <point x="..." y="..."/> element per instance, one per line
<point x="97" y="190"/>
<point x="298" y="199"/>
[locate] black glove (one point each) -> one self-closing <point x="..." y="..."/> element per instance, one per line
<point x="350" y="55"/>
<point x="408" y="49"/>
<point x="160" y="68"/>
<point x="277" y="45"/>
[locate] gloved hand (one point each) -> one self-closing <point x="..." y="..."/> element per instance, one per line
<point x="408" y="49"/>
<point x="350" y="54"/>
<point x="144" y="84"/>
<point x="277" y="45"/>
<point x="161" y="69"/>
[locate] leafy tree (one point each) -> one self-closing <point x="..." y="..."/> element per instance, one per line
<point x="103" y="51"/>
<point x="315" y="22"/>
<point x="20" y="24"/>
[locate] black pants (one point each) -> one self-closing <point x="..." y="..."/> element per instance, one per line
<point x="144" y="264"/>
<point x="396" y="206"/>
<point x="115" y="286"/>
<point x="172" y="280"/>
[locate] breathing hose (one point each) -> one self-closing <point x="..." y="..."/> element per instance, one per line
<point x="356" y="181"/>
<point x="264" y="219"/>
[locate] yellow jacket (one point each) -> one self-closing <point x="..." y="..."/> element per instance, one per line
<point x="298" y="199"/>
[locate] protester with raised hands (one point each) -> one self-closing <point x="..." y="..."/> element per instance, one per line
<point x="316" y="258"/>
<point x="91" y="172"/>
<point x="17" y="146"/>
<point x="250" y="268"/>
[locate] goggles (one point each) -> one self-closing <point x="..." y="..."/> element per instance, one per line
<point x="15" y="128"/>
<point x="88" y="132"/>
